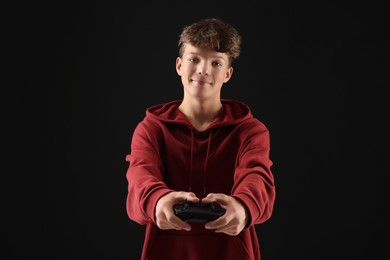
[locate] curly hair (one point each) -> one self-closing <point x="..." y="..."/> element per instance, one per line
<point x="211" y="33"/>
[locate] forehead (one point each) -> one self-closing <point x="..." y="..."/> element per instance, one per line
<point x="204" y="52"/>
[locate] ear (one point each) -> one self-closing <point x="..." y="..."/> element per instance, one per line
<point x="228" y="74"/>
<point x="178" y="65"/>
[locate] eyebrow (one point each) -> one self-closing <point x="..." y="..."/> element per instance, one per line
<point x="215" y="56"/>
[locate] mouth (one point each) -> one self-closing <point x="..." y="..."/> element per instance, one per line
<point x="200" y="82"/>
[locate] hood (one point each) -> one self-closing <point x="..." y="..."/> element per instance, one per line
<point x="233" y="112"/>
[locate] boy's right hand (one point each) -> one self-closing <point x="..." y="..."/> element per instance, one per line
<point x="165" y="217"/>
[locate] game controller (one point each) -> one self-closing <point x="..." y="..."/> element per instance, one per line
<point x="198" y="212"/>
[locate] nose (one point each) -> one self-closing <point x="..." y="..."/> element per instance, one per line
<point x="203" y="68"/>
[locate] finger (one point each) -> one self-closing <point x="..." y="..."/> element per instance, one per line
<point x="211" y="197"/>
<point x="179" y="224"/>
<point x="221" y="198"/>
<point x="192" y="197"/>
<point x="232" y="230"/>
<point x="165" y="224"/>
<point x="172" y="225"/>
<point x="191" y="194"/>
<point x="186" y="196"/>
<point x="217" y="224"/>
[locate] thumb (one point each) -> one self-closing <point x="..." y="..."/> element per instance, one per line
<point x="211" y="197"/>
<point x="190" y="196"/>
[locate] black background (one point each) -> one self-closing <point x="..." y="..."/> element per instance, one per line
<point x="78" y="76"/>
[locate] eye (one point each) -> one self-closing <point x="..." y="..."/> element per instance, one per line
<point x="217" y="64"/>
<point x="193" y="60"/>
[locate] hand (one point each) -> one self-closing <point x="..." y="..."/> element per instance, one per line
<point x="235" y="218"/>
<point x="165" y="217"/>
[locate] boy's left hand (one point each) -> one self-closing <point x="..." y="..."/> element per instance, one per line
<point x="235" y="218"/>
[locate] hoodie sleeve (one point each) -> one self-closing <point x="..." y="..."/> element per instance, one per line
<point x="253" y="179"/>
<point x="144" y="176"/>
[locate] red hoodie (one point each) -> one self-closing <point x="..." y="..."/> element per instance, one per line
<point x="231" y="156"/>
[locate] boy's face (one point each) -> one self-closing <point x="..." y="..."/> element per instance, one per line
<point x="203" y="71"/>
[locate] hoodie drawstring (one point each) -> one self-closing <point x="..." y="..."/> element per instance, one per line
<point x="191" y="156"/>
<point x="206" y="161"/>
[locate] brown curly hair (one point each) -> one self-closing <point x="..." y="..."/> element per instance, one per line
<point x="211" y="33"/>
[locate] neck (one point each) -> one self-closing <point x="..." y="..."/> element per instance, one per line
<point x="201" y="113"/>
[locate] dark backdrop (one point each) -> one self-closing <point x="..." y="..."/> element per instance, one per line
<point x="77" y="78"/>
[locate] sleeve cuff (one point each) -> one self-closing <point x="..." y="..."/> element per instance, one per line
<point x="250" y="207"/>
